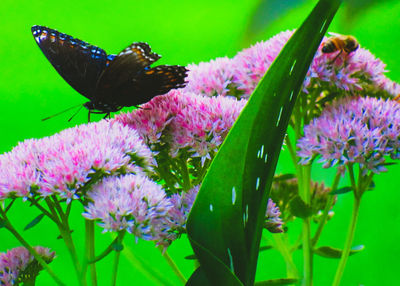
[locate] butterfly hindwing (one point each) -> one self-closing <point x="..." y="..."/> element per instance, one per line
<point x="150" y="83"/>
<point x="79" y="63"/>
<point x="125" y="66"/>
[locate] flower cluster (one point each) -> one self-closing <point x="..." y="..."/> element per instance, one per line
<point x="132" y="203"/>
<point x="273" y="221"/>
<point x="354" y="130"/>
<point x="18" y="265"/>
<point x="285" y="192"/>
<point x="64" y="162"/>
<point x="184" y="121"/>
<point x="357" y="71"/>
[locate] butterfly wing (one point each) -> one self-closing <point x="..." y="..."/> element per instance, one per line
<point x="150" y="83"/>
<point x="125" y="66"/>
<point x="129" y="80"/>
<point x="79" y="63"/>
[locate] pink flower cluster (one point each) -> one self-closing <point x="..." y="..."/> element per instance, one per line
<point x="239" y="76"/>
<point x="354" y="130"/>
<point x="64" y="162"/>
<point x="132" y="203"/>
<point x="186" y="121"/>
<point x="15" y="263"/>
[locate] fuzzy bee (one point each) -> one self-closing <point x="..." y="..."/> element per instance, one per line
<point x="340" y="43"/>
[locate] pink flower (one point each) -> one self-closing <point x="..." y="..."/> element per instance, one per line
<point x="17" y="265"/>
<point x="62" y="163"/>
<point x="133" y="203"/>
<point x="184" y="121"/>
<point x="354" y="130"/>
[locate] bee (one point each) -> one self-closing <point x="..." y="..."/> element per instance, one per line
<point x="340" y="43"/>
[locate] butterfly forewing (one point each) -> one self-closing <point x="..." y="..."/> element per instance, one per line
<point x="79" y="63"/>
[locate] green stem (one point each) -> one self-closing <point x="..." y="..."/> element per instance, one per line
<point x="282" y="246"/>
<point x="173" y="266"/>
<point x="149" y="270"/>
<point x="65" y="233"/>
<point x="185" y="174"/>
<point x="8" y="226"/>
<point x="89" y="252"/>
<point x="328" y="206"/>
<point x="304" y="192"/>
<point x="121" y="235"/>
<point x="349" y="240"/>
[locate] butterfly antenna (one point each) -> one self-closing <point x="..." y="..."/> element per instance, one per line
<point x="73" y="115"/>
<point x="61" y="112"/>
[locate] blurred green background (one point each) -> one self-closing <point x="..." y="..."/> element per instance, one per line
<point x="187" y="32"/>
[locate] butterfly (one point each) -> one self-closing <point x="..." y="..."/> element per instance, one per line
<point x="110" y="82"/>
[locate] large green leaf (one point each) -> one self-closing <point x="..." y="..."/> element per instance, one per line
<point x="226" y="221"/>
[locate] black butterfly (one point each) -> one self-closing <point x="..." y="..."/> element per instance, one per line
<point x="110" y="82"/>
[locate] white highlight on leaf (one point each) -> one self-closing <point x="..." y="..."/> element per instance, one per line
<point x="291" y="96"/>
<point x="262" y="151"/>
<point x="266" y="158"/>
<point x="323" y="25"/>
<point x="291" y="69"/>
<point x="233" y="195"/>
<point x="246" y="216"/>
<point x="231" y="261"/>
<point x="279" y="116"/>
<point x="257" y="183"/>
<point x="211" y="208"/>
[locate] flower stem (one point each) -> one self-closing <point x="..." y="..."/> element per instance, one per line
<point x="349" y="240"/>
<point x="121" y="235"/>
<point x="328" y="206"/>
<point x="304" y="192"/>
<point x="89" y="251"/>
<point x="173" y="265"/>
<point x="65" y="233"/>
<point x="282" y="247"/>
<point x="7" y="224"/>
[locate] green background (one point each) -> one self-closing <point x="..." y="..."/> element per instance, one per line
<point x="186" y="32"/>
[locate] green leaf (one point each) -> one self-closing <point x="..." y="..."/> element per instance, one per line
<point x="266" y="247"/>
<point x="284" y="177"/>
<point x="299" y="208"/>
<point x="371" y="186"/>
<point x="281" y="281"/>
<point x="331" y="252"/>
<point x="341" y="191"/>
<point x="2" y="223"/>
<point x="190" y="257"/>
<point x="226" y="221"/>
<point x="34" y="222"/>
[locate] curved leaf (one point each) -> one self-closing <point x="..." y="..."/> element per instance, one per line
<point x="226" y="221"/>
<point x="331" y="252"/>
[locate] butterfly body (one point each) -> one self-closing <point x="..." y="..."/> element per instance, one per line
<point x="110" y="82"/>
